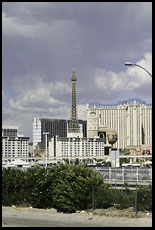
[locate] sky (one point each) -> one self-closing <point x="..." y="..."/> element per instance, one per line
<point x="43" y="41"/>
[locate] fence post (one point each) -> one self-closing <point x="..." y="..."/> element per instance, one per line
<point x="137" y="175"/>
<point x="93" y="197"/>
<point x="109" y="174"/>
<point x="150" y="172"/>
<point x="136" y="203"/>
<point x="123" y="174"/>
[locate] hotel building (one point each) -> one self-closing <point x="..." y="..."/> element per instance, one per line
<point x="13" y="144"/>
<point x="131" y="119"/>
<point x="75" y="147"/>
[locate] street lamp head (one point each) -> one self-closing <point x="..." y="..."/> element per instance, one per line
<point x="129" y="64"/>
<point x="132" y="64"/>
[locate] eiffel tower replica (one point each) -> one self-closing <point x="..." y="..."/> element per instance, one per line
<point x="73" y="125"/>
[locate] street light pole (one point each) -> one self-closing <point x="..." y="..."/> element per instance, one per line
<point x="136" y="201"/>
<point x="115" y="165"/>
<point x="115" y="170"/>
<point x="133" y="64"/>
<point x="45" y="133"/>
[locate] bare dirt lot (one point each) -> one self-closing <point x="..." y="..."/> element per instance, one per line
<point x="32" y="217"/>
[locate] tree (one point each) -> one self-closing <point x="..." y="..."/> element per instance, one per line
<point x="124" y="160"/>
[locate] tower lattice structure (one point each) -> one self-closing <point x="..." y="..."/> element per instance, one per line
<point x="73" y="126"/>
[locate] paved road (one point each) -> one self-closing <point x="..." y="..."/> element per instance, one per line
<point x="26" y="217"/>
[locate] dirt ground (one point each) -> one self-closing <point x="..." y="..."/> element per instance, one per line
<point x="32" y="217"/>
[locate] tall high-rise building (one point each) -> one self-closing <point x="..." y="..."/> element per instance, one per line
<point x="36" y="131"/>
<point x="131" y="119"/>
<point x="73" y="125"/>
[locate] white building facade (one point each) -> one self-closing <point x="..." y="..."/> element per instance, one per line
<point x="131" y="119"/>
<point x="76" y="147"/>
<point x="36" y="131"/>
<point x="13" y="144"/>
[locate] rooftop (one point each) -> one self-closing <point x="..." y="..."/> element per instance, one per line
<point x="129" y="101"/>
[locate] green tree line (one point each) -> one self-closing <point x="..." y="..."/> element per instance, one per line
<point x="68" y="188"/>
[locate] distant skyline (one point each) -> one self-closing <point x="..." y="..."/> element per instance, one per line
<point x="43" y="41"/>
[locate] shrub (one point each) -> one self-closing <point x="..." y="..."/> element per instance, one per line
<point x="68" y="188"/>
<point x="71" y="186"/>
<point x="144" y="197"/>
<point x="13" y="190"/>
<point x="104" y="196"/>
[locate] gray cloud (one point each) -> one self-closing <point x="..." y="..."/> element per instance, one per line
<point x="43" y="41"/>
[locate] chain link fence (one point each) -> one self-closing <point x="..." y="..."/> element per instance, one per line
<point x="139" y="175"/>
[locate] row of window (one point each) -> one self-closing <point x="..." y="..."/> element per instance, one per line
<point x="83" y="155"/>
<point x="14" y="155"/>
<point x="13" y="146"/>
<point x="8" y="152"/>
